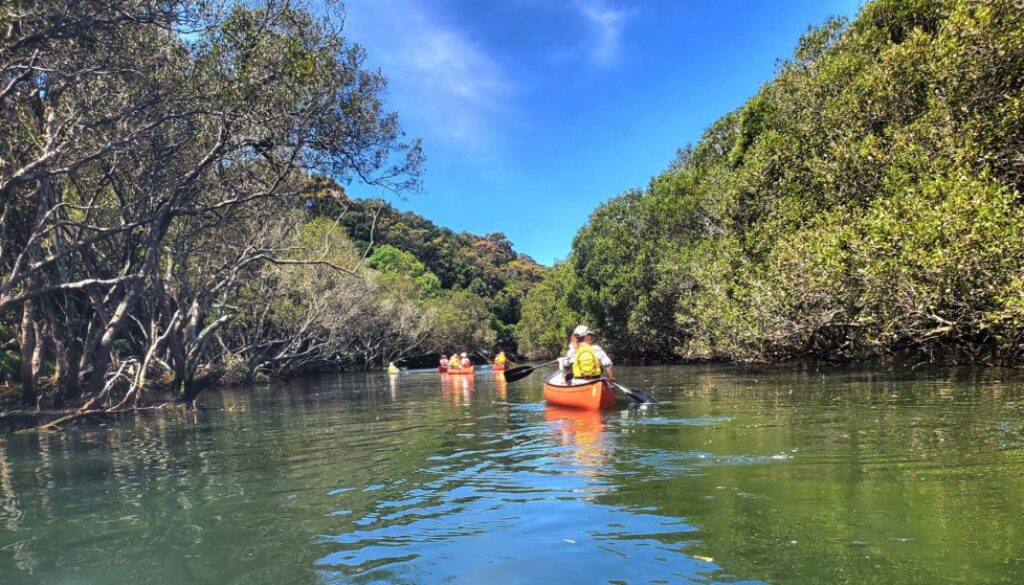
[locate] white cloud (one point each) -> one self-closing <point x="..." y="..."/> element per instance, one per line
<point x="608" y="22"/>
<point x="439" y="77"/>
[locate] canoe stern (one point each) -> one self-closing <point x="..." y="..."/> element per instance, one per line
<point x="597" y="395"/>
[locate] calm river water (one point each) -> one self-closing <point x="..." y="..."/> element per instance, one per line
<point x="739" y="476"/>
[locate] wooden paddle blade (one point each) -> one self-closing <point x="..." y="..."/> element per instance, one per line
<point x="518" y="373"/>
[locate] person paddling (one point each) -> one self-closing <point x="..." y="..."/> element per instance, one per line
<point x="585" y="360"/>
<point x="500" y="360"/>
<point x="443" y="364"/>
<point x="465" y="361"/>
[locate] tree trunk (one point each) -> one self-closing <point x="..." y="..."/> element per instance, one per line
<point x="68" y="383"/>
<point x="28" y="347"/>
<point x="92" y="340"/>
<point x="101" y="359"/>
<point x="59" y="342"/>
<point x="176" y="357"/>
<point x="38" y="355"/>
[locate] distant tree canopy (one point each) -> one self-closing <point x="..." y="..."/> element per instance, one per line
<point x="867" y="202"/>
<point x="405" y="242"/>
<point x="390" y="260"/>
<point x="549" y="313"/>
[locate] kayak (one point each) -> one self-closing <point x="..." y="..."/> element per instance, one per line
<point x="442" y="369"/>
<point x="468" y="371"/>
<point x="595" y="395"/>
<point x="498" y="367"/>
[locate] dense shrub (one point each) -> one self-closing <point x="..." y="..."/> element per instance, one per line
<point x="867" y="202"/>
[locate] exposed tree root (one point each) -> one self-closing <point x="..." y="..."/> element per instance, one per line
<point x="54" y="425"/>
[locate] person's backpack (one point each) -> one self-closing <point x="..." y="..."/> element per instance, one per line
<point x="586" y="364"/>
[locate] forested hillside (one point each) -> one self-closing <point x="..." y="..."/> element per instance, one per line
<point x="439" y="258"/>
<point x="865" y="203"/>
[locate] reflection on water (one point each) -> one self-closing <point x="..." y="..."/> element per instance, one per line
<point x="749" y="476"/>
<point x="500" y="386"/>
<point x="582" y="431"/>
<point x="456" y="389"/>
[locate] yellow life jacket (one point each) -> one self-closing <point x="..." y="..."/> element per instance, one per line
<point x="500" y="358"/>
<point x="586" y="364"/>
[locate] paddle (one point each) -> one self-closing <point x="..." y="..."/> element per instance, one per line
<point x="637" y="395"/>
<point x="521" y="372"/>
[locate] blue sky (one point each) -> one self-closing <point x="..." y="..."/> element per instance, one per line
<point x="533" y="112"/>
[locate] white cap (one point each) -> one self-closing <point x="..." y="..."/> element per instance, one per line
<point x="581" y="331"/>
<point x="463" y="354"/>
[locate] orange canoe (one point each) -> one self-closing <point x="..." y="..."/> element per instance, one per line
<point x="596" y="395"/>
<point x="468" y="370"/>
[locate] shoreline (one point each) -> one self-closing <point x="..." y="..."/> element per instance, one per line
<point x="16" y="418"/>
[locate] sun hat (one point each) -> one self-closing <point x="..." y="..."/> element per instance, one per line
<point x="581" y="331"/>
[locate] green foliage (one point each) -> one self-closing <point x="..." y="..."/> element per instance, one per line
<point x="548" y="315"/>
<point x="866" y="202"/>
<point x="389" y="259"/>
<point x="438" y="258"/>
<point x="10" y="365"/>
<point x="122" y="346"/>
<point x="460" y="323"/>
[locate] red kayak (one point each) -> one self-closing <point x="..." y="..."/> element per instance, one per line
<point x="498" y="367"/>
<point x="468" y="370"/>
<point x="594" y="395"/>
<point x="442" y="369"/>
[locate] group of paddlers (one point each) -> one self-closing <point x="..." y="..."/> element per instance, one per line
<point x="584" y="360"/>
<point x="462" y="360"/>
<point x="457" y="361"/>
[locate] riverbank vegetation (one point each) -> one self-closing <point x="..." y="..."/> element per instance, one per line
<point x="167" y="220"/>
<point x="866" y="203"/>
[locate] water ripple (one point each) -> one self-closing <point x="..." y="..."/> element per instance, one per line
<point x="542" y="489"/>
